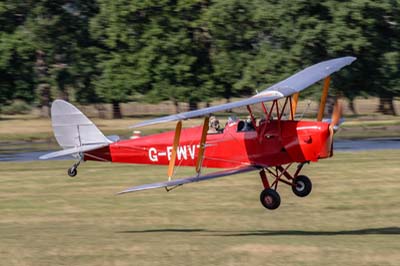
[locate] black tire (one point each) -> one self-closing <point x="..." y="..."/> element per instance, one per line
<point x="270" y="199"/>
<point x="72" y="171"/>
<point x="302" y="186"/>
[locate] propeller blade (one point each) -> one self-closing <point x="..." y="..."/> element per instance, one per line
<point x="329" y="143"/>
<point x="335" y="121"/>
<point x="324" y="95"/>
<point x="337" y="113"/>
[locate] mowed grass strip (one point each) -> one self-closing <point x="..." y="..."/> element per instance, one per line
<point x="352" y="217"/>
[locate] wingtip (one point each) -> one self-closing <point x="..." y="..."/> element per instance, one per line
<point x="352" y="58"/>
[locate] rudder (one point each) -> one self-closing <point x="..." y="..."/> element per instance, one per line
<point x="72" y="128"/>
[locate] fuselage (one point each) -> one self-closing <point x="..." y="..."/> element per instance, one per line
<point x="272" y="143"/>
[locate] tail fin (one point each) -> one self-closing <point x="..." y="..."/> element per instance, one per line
<point x="73" y="131"/>
<point x="72" y="128"/>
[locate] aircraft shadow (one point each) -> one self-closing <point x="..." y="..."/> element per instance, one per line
<point x="366" y="231"/>
<point x="164" y="230"/>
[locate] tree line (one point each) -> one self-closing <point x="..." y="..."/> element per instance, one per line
<point x="191" y="50"/>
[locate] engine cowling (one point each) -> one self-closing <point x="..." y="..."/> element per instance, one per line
<point x="306" y="140"/>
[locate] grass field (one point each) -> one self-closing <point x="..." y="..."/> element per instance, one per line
<point x="352" y="217"/>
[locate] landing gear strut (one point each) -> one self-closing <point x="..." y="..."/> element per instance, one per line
<point x="73" y="170"/>
<point x="269" y="197"/>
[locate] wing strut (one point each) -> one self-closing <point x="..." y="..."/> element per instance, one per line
<point x="174" y="149"/>
<point x="324" y="95"/>
<point x="294" y="100"/>
<point x="253" y="120"/>
<point x="202" y="145"/>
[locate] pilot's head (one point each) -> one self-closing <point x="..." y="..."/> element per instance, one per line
<point x="214" y="122"/>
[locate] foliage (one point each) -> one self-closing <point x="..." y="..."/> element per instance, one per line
<point x="191" y="51"/>
<point x="152" y="48"/>
<point x="59" y="30"/>
<point x="17" y="79"/>
<point x="16" y="107"/>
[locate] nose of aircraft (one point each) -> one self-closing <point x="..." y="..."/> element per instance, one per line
<point x="308" y="141"/>
<point x="326" y="142"/>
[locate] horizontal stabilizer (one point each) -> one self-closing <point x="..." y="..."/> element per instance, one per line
<point x="72" y="151"/>
<point x="181" y="181"/>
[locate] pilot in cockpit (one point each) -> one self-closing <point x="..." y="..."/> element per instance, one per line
<point x="214" y="126"/>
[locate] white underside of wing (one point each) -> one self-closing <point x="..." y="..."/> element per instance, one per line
<point x="181" y="181"/>
<point x="267" y="96"/>
<point x="295" y="83"/>
<point x="308" y="76"/>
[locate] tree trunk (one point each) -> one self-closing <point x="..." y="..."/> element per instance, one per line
<point x="228" y="100"/>
<point x="64" y="93"/>
<point x="116" y="109"/>
<point x="176" y="104"/>
<point x="352" y="106"/>
<point x="386" y="106"/>
<point x="44" y="99"/>
<point x="102" y="111"/>
<point x="43" y="88"/>
<point x="192" y="105"/>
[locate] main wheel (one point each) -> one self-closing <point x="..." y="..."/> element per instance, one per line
<point x="270" y="199"/>
<point x="301" y="186"/>
<point x="72" y="171"/>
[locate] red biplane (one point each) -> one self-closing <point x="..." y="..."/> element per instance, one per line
<point x="269" y="145"/>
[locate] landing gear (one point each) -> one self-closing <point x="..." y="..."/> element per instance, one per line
<point x="301" y="186"/>
<point x="269" y="197"/>
<point x="73" y="171"/>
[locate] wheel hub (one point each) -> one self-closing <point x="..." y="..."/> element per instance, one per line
<point x="268" y="199"/>
<point x="300" y="186"/>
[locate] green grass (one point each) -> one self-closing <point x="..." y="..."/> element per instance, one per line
<point x="352" y="217"/>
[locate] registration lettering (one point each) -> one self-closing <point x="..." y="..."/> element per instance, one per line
<point x="183" y="153"/>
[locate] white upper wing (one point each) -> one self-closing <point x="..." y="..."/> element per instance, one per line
<point x="295" y="83"/>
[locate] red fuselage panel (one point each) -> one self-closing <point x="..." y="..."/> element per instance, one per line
<point x="274" y="143"/>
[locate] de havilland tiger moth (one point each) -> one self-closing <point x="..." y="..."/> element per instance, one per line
<point x="269" y="145"/>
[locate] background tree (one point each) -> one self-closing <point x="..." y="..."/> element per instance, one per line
<point x="17" y="53"/>
<point x="192" y="50"/>
<point x="368" y="30"/>
<point x="233" y="35"/>
<point x="156" y="47"/>
<point x="59" y="30"/>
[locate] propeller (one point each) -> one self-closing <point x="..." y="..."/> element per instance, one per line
<point x="335" y="118"/>
<point x="334" y="124"/>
